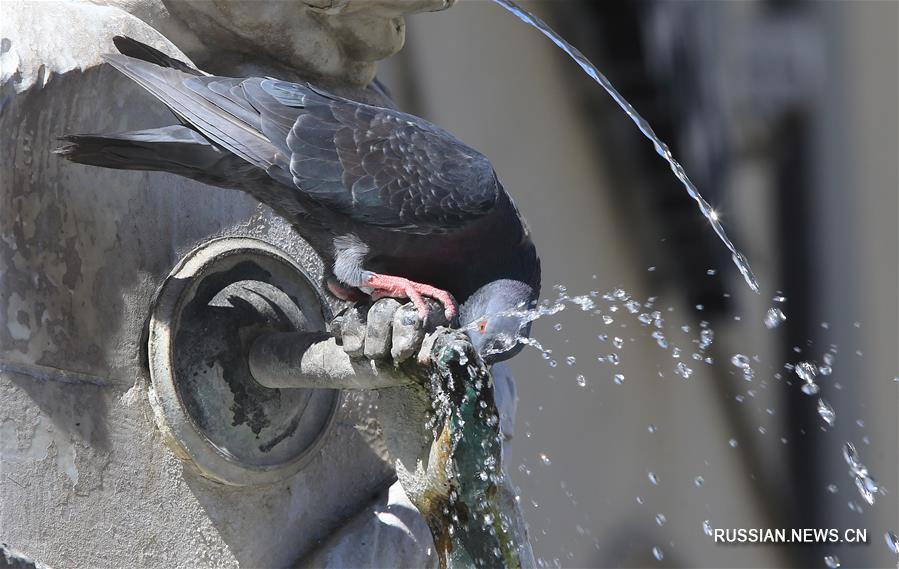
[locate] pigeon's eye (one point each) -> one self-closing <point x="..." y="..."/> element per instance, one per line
<point x="482" y="327"/>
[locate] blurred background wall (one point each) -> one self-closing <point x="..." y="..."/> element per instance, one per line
<point x="785" y="115"/>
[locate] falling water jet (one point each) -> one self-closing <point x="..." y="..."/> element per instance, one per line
<point x="660" y="147"/>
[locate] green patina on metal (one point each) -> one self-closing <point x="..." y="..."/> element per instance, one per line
<point x="471" y="526"/>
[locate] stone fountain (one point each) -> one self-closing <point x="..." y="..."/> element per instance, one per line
<point x="138" y="427"/>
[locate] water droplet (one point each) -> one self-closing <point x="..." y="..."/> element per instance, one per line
<point x="652" y="428"/>
<point x="606" y="319"/>
<point x="653" y="478"/>
<point x="545" y="460"/>
<point x="699" y="481"/>
<point x="774" y="317"/>
<point x="850" y="455"/>
<point x="733" y="443"/>
<point x="892" y="542"/>
<point x="826" y="412"/>
<point x="711" y="272"/>
<point x="617" y="342"/>
<point x="651" y="269"/>
<point x="657" y="553"/>
<point x="619" y="379"/>
<point x="810" y="388"/>
<point x="707" y="527"/>
<point x="806" y="371"/>
<point x="682" y="370"/>
<point x="661" y="519"/>
<point x="706" y="337"/>
<point x="639" y="500"/>
<point x="740" y="361"/>
<point x="860" y="423"/>
<point x="867" y="488"/>
<point x="779" y="298"/>
<point x="832" y="561"/>
<point x="580" y="529"/>
<point x="553" y="363"/>
<point x="571" y="360"/>
<point x="581" y="380"/>
<point x="557" y="327"/>
<point x="660" y="339"/>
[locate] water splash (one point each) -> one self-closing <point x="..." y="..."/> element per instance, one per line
<point x="892" y="542"/>
<point x="867" y="486"/>
<point x="660" y="147"/>
<point x="629" y="309"/>
<point x="807" y="372"/>
<point x="774" y="318"/>
<point x="826" y="412"/>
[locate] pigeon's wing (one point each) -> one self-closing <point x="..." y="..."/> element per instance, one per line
<point x="214" y="106"/>
<point x="377" y="166"/>
<point x="138" y="50"/>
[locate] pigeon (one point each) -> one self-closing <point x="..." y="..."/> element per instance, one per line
<point x="394" y="205"/>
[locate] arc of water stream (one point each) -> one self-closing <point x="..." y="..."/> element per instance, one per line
<point x="660" y="147"/>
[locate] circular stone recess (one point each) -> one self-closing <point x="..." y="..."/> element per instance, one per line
<point x="212" y="411"/>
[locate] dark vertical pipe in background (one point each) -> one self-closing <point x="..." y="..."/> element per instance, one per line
<point x="804" y="449"/>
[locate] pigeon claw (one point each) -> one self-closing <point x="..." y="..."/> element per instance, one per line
<point x="398" y="287"/>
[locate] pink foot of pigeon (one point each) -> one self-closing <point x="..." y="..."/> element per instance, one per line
<point x="398" y="287"/>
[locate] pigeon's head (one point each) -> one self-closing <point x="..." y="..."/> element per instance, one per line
<point x="495" y="318"/>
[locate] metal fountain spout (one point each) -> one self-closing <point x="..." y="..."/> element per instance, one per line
<point x="239" y="326"/>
